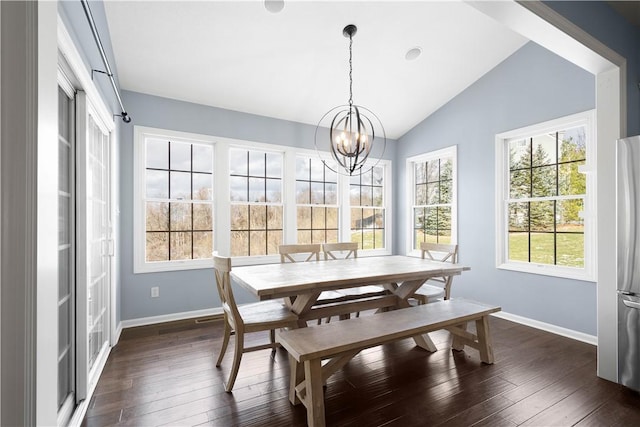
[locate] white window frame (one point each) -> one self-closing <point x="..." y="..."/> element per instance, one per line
<point x="139" y="242"/>
<point x="312" y="206"/>
<point x="451" y="151"/>
<point x="222" y="203"/>
<point x="345" y="231"/>
<point x="225" y="203"/>
<point x="588" y="272"/>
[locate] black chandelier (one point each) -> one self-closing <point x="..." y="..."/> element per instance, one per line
<point x="351" y="133"/>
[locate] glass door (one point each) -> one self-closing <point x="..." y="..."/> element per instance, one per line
<point x="66" y="253"/>
<point x="94" y="249"/>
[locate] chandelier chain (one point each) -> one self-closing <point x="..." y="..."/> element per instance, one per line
<point x="350" y="70"/>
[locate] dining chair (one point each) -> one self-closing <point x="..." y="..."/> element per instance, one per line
<point x="309" y="252"/>
<point x="344" y="250"/>
<point x="246" y="318"/>
<point x="436" y="287"/>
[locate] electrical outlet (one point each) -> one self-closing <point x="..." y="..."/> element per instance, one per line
<point x="155" y="292"/>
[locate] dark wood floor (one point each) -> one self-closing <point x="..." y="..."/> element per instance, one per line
<point x="165" y="375"/>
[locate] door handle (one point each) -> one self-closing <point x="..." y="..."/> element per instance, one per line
<point x="631" y="304"/>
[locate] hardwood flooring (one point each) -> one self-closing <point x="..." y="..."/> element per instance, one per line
<point x="165" y="375"/>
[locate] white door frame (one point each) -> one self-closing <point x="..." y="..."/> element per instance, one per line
<point x="89" y="100"/>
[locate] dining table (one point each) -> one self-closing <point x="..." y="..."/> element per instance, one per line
<point x="300" y="284"/>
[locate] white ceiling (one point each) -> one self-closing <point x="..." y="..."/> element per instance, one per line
<point x="293" y="65"/>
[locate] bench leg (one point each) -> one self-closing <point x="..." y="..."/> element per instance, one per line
<point x="457" y="344"/>
<point x="314" y="400"/>
<point x="296" y="377"/>
<point x="484" y="340"/>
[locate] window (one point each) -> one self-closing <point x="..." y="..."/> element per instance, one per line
<point x="177" y="193"/>
<point x="545" y="198"/>
<point x="256" y="202"/>
<point x="433" y="198"/>
<point x="367" y="200"/>
<point x="196" y="193"/>
<point x="317" y="209"/>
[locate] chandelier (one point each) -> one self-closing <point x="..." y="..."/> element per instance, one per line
<point x="351" y="131"/>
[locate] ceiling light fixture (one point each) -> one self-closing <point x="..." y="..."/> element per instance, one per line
<point x="413" y="53"/>
<point x="351" y="131"/>
<point x="274" y="6"/>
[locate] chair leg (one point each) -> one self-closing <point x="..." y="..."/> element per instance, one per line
<point x="237" y="357"/>
<point x="225" y="342"/>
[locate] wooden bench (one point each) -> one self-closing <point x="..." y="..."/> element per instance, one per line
<point x="341" y="341"/>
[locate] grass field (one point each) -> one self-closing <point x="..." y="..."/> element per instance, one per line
<point x="367" y="238"/>
<point x="569" y="248"/>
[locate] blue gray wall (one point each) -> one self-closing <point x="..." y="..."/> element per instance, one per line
<point x="184" y="291"/>
<point x="601" y="21"/>
<point x="531" y="86"/>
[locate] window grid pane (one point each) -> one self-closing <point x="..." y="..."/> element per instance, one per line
<point x="546" y="195"/>
<point x="367" y="209"/>
<point x="256" y="202"/>
<point x="178" y="202"/>
<point x="433" y="188"/>
<point x="316" y="201"/>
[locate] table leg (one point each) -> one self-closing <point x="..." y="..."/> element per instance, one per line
<point x="423" y="341"/>
<point x="404" y="292"/>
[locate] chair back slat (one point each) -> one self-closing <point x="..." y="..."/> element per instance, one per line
<point x="439" y="252"/>
<point x="287" y="252"/>
<point x="444" y="253"/>
<point x="222" y="270"/>
<point x="329" y="249"/>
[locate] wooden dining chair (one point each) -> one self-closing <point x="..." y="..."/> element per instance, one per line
<point x="246" y="318"/>
<point x="344" y="250"/>
<point x="436" y="287"/>
<point x="309" y="252"/>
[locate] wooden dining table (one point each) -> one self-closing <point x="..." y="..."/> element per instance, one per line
<point x="300" y="284"/>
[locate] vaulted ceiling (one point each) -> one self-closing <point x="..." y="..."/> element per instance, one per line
<point x="293" y="64"/>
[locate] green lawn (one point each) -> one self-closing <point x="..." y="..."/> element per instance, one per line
<point x="367" y="238"/>
<point x="569" y="247"/>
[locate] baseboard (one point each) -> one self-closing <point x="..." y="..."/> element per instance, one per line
<point x="569" y="333"/>
<point x="116" y="335"/>
<point x="83" y="406"/>
<point x="143" y="321"/>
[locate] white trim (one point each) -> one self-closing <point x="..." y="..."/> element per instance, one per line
<point x="451" y="151"/>
<point x="83" y="406"/>
<point x="152" y="320"/>
<point x="587" y="119"/>
<point x="1" y="214"/>
<point x="45" y="177"/>
<point x="611" y="89"/>
<point x="548" y="327"/>
<point x="543" y="25"/>
<point x="116" y="334"/>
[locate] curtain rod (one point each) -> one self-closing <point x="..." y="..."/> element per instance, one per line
<point x="125" y="117"/>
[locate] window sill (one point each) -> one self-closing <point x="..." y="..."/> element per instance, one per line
<point x="162" y="266"/>
<point x="548" y="270"/>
